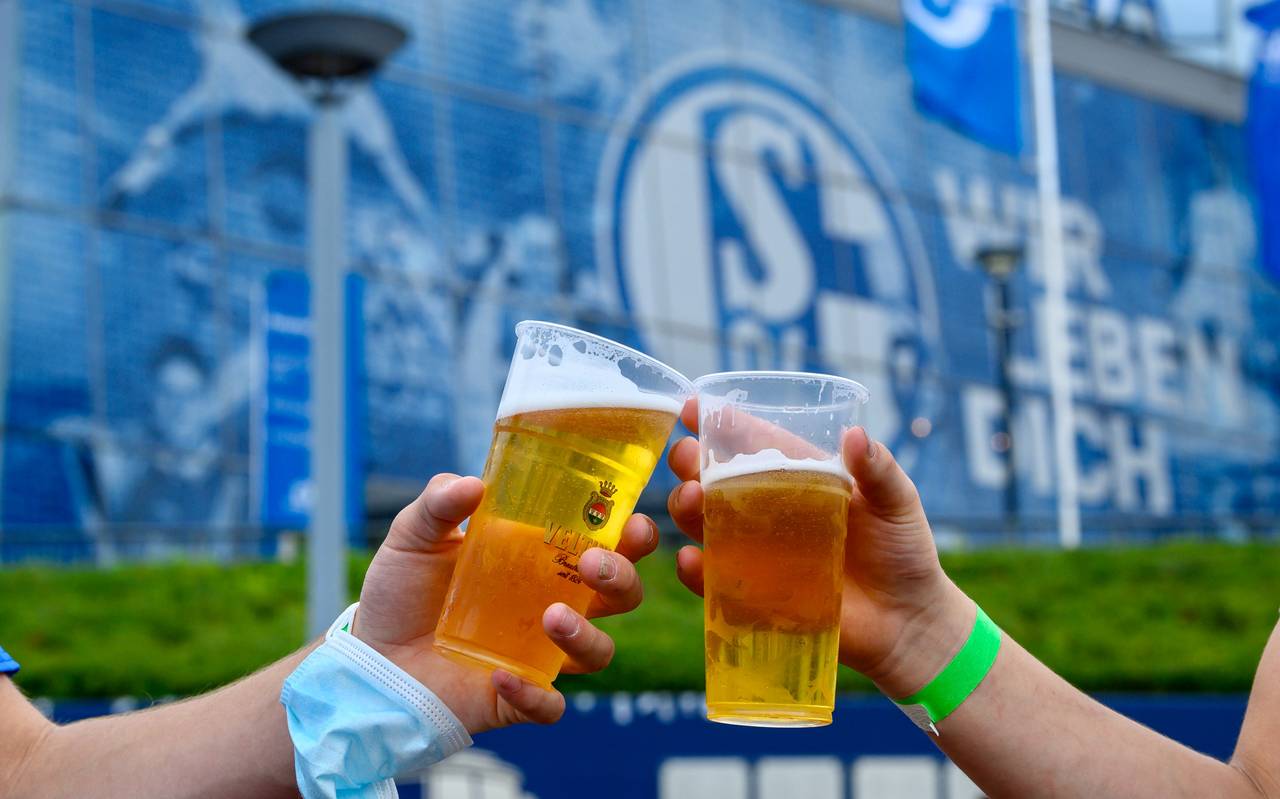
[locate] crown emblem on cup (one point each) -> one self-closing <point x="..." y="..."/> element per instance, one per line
<point x="596" y="512"/>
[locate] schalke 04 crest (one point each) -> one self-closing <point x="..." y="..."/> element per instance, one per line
<point x="745" y="222"/>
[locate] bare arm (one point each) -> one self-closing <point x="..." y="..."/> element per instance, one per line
<point x="233" y="742"/>
<point x="1025" y="732"/>
<point x="1258" y="750"/>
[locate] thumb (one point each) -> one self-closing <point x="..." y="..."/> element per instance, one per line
<point x="881" y="481"/>
<point x="433" y="518"/>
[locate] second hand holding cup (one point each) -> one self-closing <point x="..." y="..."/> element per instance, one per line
<point x="776" y="510"/>
<point x="582" y="422"/>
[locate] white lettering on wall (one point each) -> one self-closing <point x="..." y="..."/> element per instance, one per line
<point x="1145" y="461"/>
<point x="1095" y="482"/>
<point x="787" y="288"/>
<point x="1189" y="369"/>
<point x="1158" y="364"/>
<point x="973" y="218"/>
<point x="1215" y="387"/>
<point x="982" y="408"/>
<point x="1122" y="464"/>
<point x="1111" y="357"/>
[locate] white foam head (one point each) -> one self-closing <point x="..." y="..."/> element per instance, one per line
<point x="769" y="460"/>
<point x="559" y="367"/>
<point x="552" y="401"/>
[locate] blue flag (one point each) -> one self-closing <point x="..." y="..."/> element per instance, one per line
<point x="963" y="57"/>
<point x="1263" y="131"/>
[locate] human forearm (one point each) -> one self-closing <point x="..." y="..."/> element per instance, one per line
<point x="233" y="742"/>
<point x="1025" y="732"/>
<point x="1257" y="755"/>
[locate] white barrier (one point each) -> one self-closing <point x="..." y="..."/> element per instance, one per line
<point x="791" y="777"/>
<point x="871" y="777"/>
<point x="702" y="777"/>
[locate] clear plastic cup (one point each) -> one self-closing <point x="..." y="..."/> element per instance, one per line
<point x="582" y="422"/>
<point x="776" y="511"/>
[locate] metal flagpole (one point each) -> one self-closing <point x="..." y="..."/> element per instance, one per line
<point x="1055" y="280"/>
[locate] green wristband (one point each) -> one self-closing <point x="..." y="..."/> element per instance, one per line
<point x="946" y="692"/>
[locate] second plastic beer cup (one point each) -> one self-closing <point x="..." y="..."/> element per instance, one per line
<point x="581" y="425"/>
<point x="775" y="513"/>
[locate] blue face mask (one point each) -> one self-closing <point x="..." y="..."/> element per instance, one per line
<point x="357" y="720"/>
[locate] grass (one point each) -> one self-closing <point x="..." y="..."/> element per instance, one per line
<point x="1181" y="617"/>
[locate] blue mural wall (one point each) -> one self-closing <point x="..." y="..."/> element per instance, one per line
<point x="724" y="183"/>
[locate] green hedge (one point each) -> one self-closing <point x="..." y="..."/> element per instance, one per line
<point x="1183" y="617"/>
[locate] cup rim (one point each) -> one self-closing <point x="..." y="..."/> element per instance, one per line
<point x="685" y="383"/>
<point x="860" y="392"/>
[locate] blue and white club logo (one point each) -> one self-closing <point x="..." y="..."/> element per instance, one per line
<point x="746" y="224"/>
<point x="951" y="23"/>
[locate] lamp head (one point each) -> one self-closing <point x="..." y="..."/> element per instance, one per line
<point x="999" y="261"/>
<point x="327" y="46"/>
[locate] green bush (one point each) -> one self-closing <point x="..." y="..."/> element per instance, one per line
<point x="1181" y="617"/>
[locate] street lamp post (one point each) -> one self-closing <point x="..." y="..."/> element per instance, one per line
<point x="999" y="262"/>
<point x="328" y="53"/>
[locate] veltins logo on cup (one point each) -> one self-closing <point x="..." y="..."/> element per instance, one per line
<point x="951" y="23"/>
<point x="596" y="512"/>
<point x="746" y="223"/>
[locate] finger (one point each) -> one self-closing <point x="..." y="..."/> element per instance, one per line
<point x="683" y="458"/>
<point x="615" y="581"/>
<point x="881" y="481"/>
<point x="689" y="415"/>
<point x="734" y="430"/>
<point x="433" y="517"/>
<point x="689" y="568"/>
<point x="639" y="538"/>
<point x="538" y="705"/>
<point x="589" y="649"/>
<point x="685" y="507"/>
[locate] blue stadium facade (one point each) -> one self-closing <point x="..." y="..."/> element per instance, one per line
<point x="724" y="183"/>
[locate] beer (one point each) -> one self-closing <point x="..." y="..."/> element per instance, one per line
<point x="775" y="513"/>
<point x="772" y="573"/>
<point x="567" y="463"/>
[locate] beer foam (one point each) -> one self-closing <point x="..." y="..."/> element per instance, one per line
<point x="557" y="368"/>
<point x="769" y="460"/>
<point x="632" y="399"/>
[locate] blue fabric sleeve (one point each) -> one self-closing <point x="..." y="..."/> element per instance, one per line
<point x="7" y="664"/>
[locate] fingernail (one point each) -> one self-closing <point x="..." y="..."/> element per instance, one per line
<point x="871" y="444"/>
<point x="608" y="569"/>
<point x="653" y="533"/>
<point x="567" y="625"/>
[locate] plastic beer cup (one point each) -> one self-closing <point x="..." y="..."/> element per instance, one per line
<point x="582" y="422"/>
<point x="776" y="509"/>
